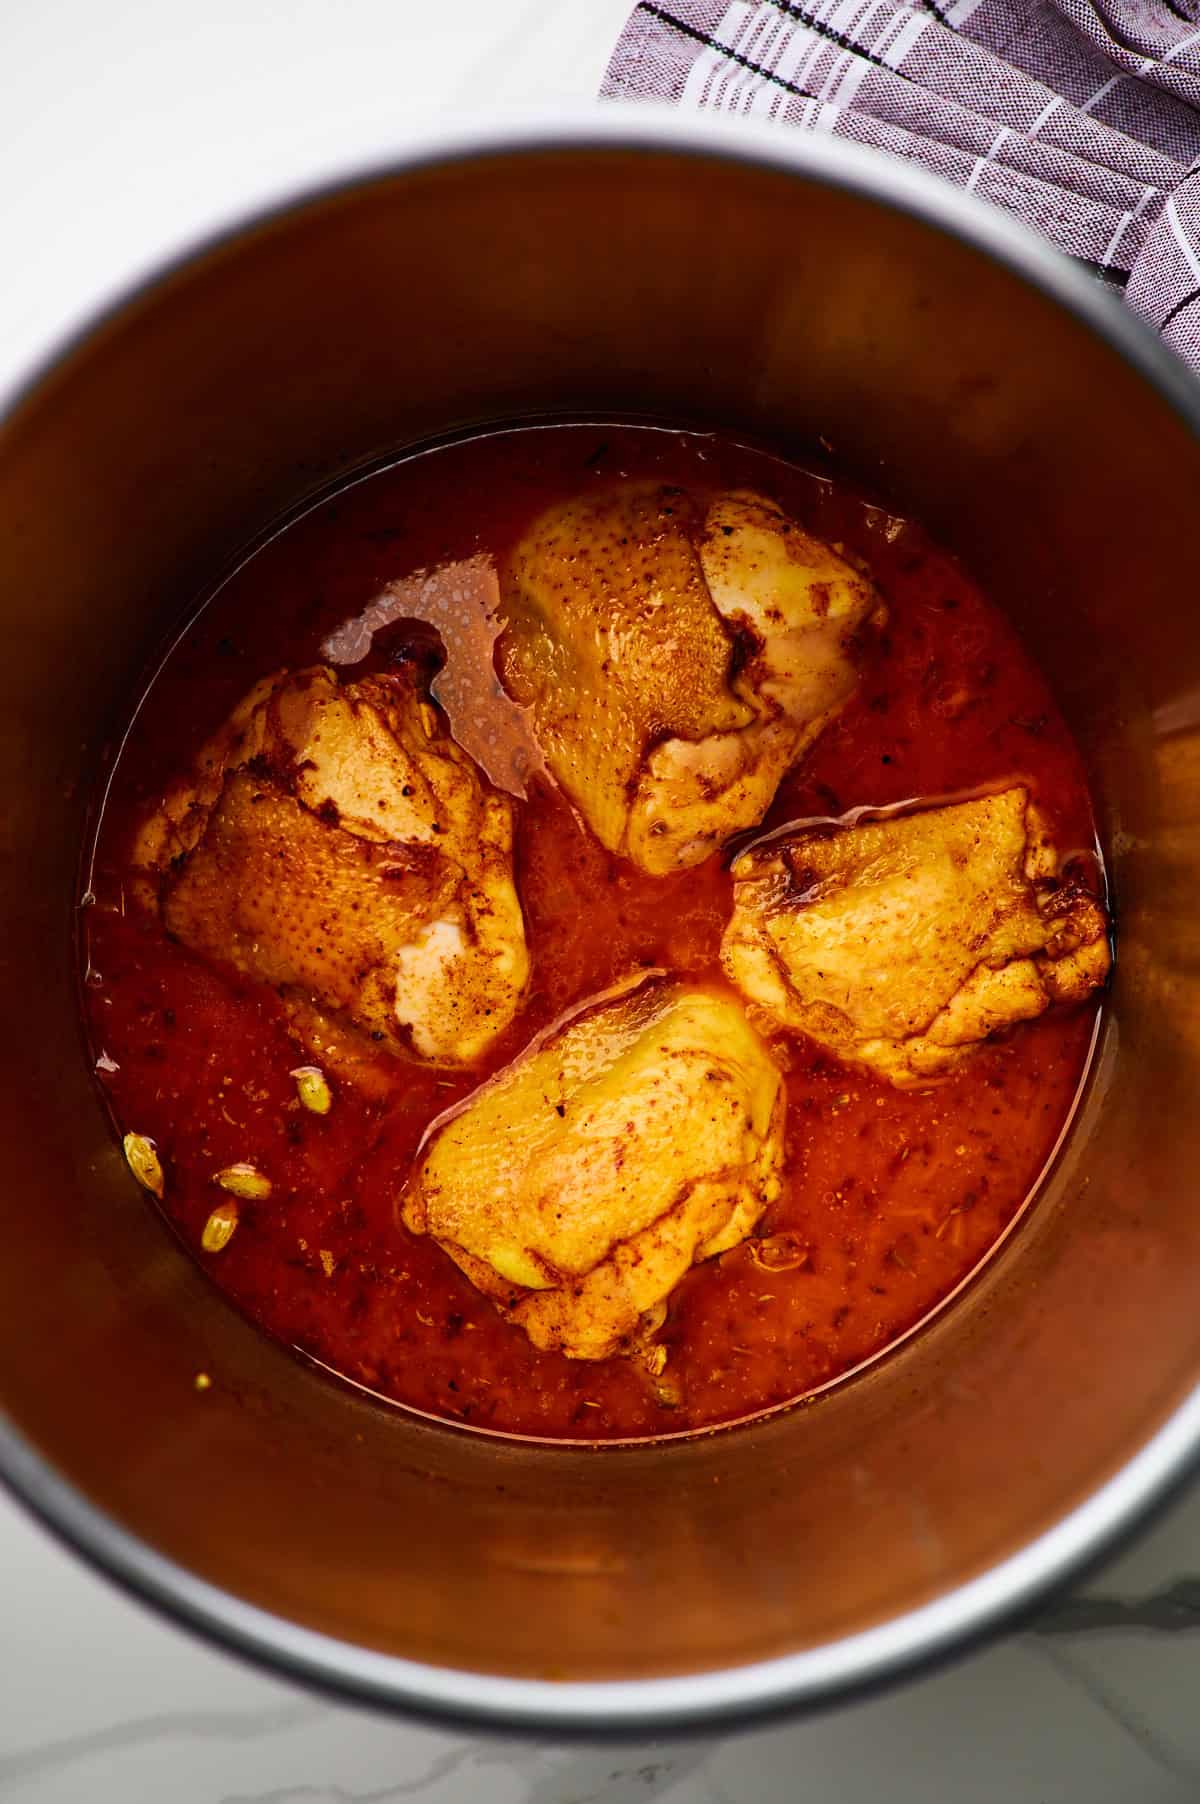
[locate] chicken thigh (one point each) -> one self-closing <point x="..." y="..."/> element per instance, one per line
<point x="333" y="840"/>
<point x="677" y="659"/>
<point x="901" y="940"/>
<point x="577" y="1186"/>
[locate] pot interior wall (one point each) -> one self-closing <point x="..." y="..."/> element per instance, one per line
<point x="638" y="282"/>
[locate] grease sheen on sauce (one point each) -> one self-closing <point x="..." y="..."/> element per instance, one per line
<point x="893" y="1198"/>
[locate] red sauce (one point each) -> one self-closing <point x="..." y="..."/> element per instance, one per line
<point x="893" y="1198"/>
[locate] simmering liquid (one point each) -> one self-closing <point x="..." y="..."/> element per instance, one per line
<point x="890" y="1198"/>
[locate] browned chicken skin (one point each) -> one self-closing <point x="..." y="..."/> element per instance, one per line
<point x="677" y="659"/>
<point x="901" y="940"/>
<point x="578" y="1185"/>
<point x="333" y="840"/>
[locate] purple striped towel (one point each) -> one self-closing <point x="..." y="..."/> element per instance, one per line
<point x="1082" y="117"/>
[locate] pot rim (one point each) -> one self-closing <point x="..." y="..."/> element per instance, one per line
<point x="872" y="1657"/>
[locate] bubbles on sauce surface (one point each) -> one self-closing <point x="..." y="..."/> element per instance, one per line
<point x="890" y="1198"/>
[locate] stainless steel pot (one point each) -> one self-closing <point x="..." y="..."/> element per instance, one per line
<point x="636" y="266"/>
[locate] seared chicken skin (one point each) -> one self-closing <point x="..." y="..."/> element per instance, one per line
<point x="900" y="941"/>
<point x="333" y="840"/>
<point x="577" y="1186"/>
<point x="677" y="660"/>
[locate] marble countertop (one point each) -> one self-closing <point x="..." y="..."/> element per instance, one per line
<point x="124" y="127"/>
<point x="1095" y="1703"/>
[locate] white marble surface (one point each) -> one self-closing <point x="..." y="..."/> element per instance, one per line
<point x="102" y="1701"/>
<point x="122" y="128"/>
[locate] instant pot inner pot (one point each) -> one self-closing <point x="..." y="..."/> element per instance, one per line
<point x="637" y="282"/>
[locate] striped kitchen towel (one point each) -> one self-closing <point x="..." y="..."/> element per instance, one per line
<point x="1082" y="117"/>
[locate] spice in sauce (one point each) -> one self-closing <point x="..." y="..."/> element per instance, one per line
<point x="890" y="1197"/>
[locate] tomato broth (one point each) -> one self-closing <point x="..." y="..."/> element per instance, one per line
<point x="890" y="1197"/>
